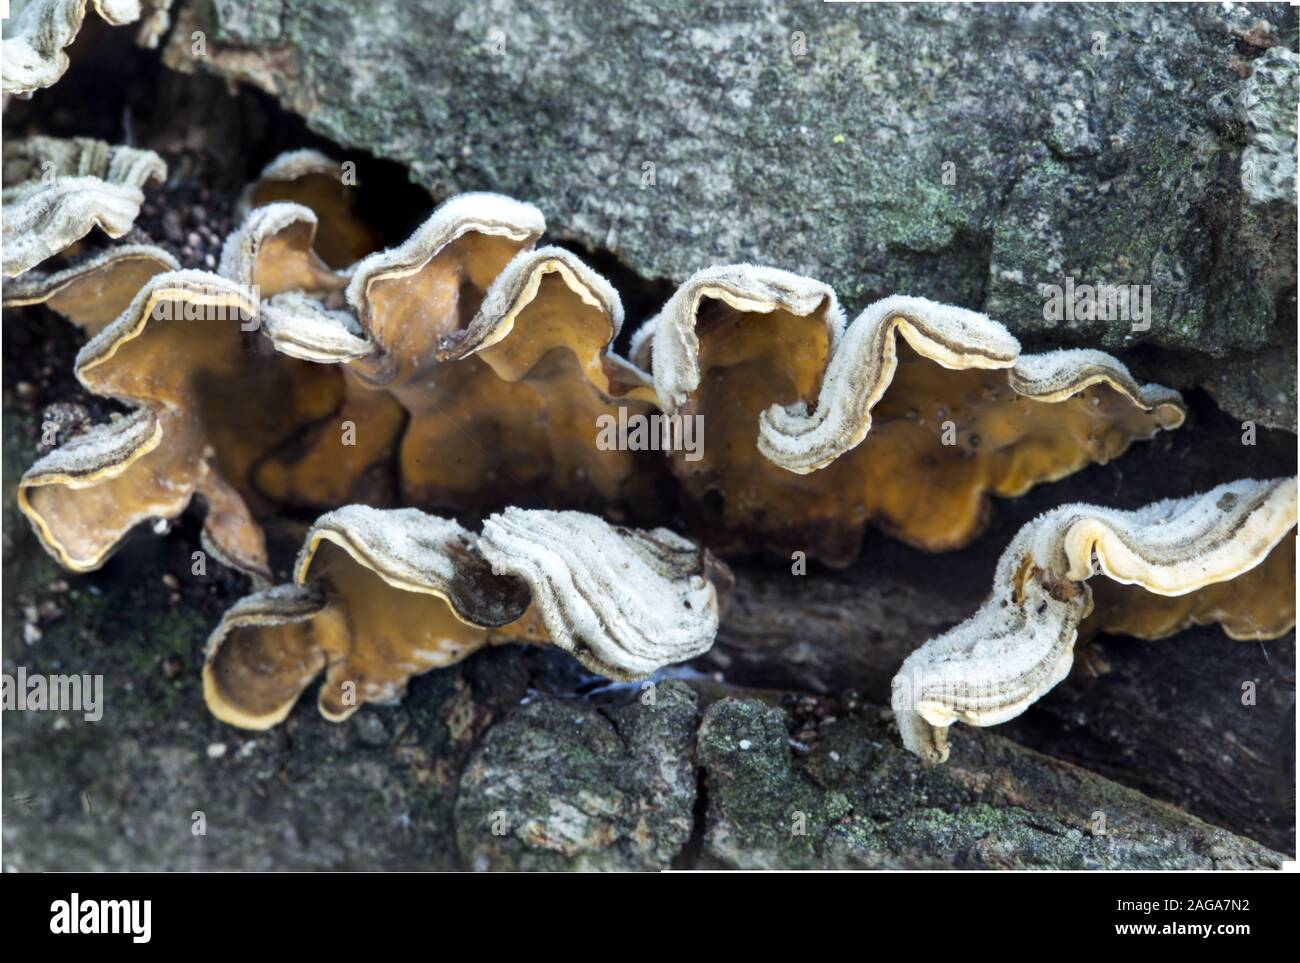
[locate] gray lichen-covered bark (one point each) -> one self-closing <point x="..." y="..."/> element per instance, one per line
<point x="562" y="785"/>
<point x="973" y="155"/>
<point x="855" y="799"/>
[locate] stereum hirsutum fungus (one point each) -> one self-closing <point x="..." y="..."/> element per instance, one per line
<point x="467" y="370"/>
<point x="911" y="417"/>
<point x="525" y="366"/>
<point x="380" y="596"/>
<point x="208" y="398"/>
<point x="315" y="181"/>
<point x="96" y="289"/>
<point x="57" y="191"/>
<point x="483" y="363"/>
<point x="1226" y="557"/>
<point x="464" y="369"/>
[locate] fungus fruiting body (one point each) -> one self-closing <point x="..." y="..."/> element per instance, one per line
<point x="209" y="399"/>
<point x="32" y="55"/>
<point x="910" y="417"/>
<point x="57" y="191"/>
<point x="96" y="289"/>
<point x="380" y="596"/>
<point x="313" y="180"/>
<point x="1227" y="557"/>
<point x="468" y="370"/>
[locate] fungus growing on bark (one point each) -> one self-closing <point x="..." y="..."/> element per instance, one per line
<point x="400" y="303"/>
<point x="484" y="365"/>
<point x="56" y="191"/>
<point x="32" y="54"/>
<point x="316" y="181"/>
<point x="274" y="250"/>
<point x="1227" y="557"/>
<point x="530" y="378"/>
<point x="209" y="399"/>
<point x="380" y="596"/>
<point x="462" y="370"/>
<point x="95" y="290"/>
<point x="815" y="430"/>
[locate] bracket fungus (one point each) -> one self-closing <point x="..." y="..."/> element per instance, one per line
<point x="56" y="191"/>
<point x="382" y="595"/>
<point x="485" y="365"/>
<point x="1226" y="557"/>
<point x="200" y="390"/>
<point x="531" y="373"/>
<point x="464" y="369"/>
<point x="315" y="181"/>
<point x="96" y="289"/>
<point x="910" y="417"/>
<point x="32" y="54"/>
<point x="212" y="398"/>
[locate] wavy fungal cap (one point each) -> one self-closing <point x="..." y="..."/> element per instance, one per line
<point x="533" y="369"/>
<point x="310" y="179"/>
<point x="57" y="191"/>
<point x="785" y="428"/>
<point x="95" y="290"/>
<point x="623" y="602"/>
<point x="380" y="596"/>
<point x="813" y="433"/>
<point x="489" y="348"/>
<point x="274" y="248"/>
<point x="209" y="400"/>
<point x="408" y="297"/>
<point x="1226" y="557"/>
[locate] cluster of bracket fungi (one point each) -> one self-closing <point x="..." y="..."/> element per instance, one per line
<point x="466" y="370"/>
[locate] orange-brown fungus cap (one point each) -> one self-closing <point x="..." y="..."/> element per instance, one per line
<point x="209" y="397"/>
<point x="381" y="596"/>
<point x="1226" y="556"/>
<point x="812" y="432"/>
<point x="95" y="290"/>
<point x="313" y="180"/>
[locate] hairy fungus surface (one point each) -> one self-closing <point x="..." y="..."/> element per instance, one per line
<point x="96" y="289"/>
<point x="274" y="250"/>
<point x="910" y="418"/>
<point x="1227" y="556"/>
<point x="209" y="398"/>
<point x="56" y="191"/>
<point x="381" y="596"/>
<point x="32" y="54"/>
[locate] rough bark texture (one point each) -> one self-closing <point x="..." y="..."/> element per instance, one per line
<point x="971" y="155"/>
<point x="853" y="799"/>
